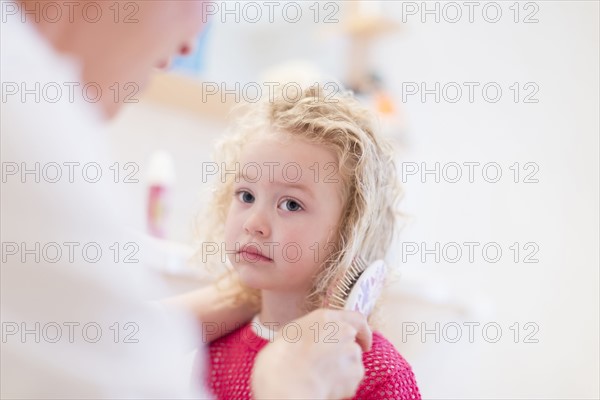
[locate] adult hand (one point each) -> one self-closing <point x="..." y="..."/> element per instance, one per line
<point x="216" y="307"/>
<point x="324" y="362"/>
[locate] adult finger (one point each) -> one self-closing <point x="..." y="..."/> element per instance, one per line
<point x="364" y="335"/>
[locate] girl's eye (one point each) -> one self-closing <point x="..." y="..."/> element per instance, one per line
<point x="292" y="205"/>
<point x="246" y="197"/>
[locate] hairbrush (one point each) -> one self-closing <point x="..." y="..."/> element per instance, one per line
<point x="359" y="287"/>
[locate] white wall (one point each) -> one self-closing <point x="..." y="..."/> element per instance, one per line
<point x="560" y="213"/>
<point x="559" y="294"/>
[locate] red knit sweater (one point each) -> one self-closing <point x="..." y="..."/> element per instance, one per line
<point x="387" y="374"/>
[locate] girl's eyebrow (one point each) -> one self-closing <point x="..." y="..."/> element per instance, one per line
<point x="292" y="185"/>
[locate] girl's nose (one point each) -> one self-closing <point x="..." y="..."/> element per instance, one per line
<point x="257" y="224"/>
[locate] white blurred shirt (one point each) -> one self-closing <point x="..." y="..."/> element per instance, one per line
<point x="129" y="348"/>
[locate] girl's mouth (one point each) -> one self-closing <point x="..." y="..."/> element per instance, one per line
<point x="250" y="254"/>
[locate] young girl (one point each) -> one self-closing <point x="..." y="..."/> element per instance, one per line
<point x="306" y="186"/>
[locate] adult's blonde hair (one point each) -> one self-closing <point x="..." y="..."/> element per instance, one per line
<point x="371" y="191"/>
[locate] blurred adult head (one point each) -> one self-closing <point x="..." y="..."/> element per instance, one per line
<point x="117" y="42"/>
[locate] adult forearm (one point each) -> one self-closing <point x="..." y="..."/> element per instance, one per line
<point x="217" y="307"/>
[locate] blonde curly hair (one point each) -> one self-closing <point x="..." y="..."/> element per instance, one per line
<point x="366" y="165"/>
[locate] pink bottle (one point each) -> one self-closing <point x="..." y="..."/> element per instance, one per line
<point x="160" y="180"/>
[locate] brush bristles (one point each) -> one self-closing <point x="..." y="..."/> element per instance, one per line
<point x="344" y="285"/>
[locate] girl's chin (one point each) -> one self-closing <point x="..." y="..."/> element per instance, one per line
<point x="250" y="278"/>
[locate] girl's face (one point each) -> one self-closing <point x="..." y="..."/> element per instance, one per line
<point x="286" y="206"/>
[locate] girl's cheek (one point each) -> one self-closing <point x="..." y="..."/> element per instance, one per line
<point x="229" y="228"/>
<point x="315" y="251"/>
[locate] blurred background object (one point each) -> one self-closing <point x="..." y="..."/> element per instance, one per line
<point x="521" y="325"/>
<point x="160" y="180"/>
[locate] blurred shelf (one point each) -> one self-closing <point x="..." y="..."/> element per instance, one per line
<point x="187" y="94"/>
<point x="369" y="26"/>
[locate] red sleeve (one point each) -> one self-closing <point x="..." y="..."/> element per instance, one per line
<point x="387" y="374"/>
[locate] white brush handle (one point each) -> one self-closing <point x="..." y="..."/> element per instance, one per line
<point x="366" y="290"/>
